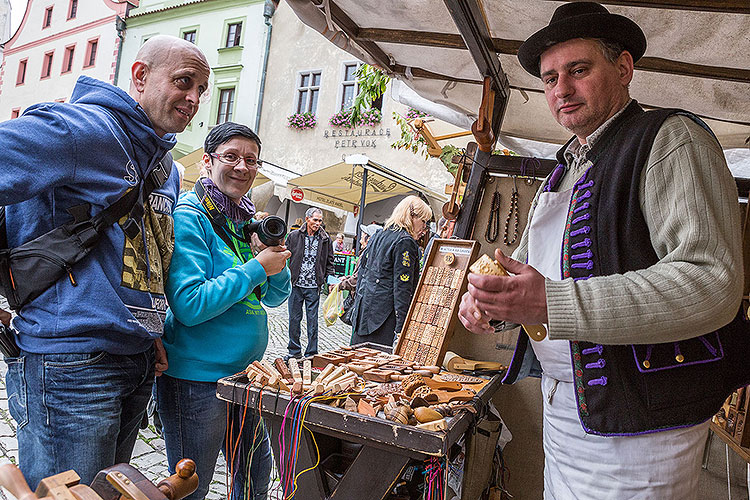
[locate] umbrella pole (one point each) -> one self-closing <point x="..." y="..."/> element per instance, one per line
<point x="361" y="207"/>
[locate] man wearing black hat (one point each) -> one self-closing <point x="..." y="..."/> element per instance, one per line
<point x="634" y="251"/>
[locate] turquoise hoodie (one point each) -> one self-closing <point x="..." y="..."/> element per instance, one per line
<point x="215" y="325"/>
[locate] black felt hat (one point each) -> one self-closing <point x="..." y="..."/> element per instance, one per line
<point x="581" y="20"/>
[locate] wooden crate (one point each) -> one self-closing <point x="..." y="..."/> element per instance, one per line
<point x="432" y="316"/>
<point x="732" y="418"/>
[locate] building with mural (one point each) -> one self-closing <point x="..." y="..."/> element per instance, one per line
<point x="308" y="76"/>
<point x="232" y="35"/>
<point x="57" y="41"/>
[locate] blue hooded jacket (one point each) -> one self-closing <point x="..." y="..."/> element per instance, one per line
<point x="90" y="150"/>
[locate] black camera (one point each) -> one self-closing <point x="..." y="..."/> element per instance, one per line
<point x="271" y="230"/>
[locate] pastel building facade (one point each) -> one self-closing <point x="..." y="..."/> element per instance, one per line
<point x="57" y="41"/>
<point x="231" y="33"/>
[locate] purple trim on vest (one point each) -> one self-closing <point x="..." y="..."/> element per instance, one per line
<point x="716" y="354"/>
<point x="242" y="212"/>
<point x="555" y="177"/>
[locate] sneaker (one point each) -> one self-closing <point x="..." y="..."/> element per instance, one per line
<point x="290" y="356"/>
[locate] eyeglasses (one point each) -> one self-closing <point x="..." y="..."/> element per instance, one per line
<point x="233" y="160"/>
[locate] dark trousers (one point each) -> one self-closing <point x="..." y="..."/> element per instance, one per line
<point x="77" y="411"/>
<point x="310" y="297"/>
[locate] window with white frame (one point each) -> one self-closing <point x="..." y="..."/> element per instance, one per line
<point x="234" y="30"/>
<point x="349" y="87"/>
<point x="308" y="89"/>
<point x="226" y="103"/>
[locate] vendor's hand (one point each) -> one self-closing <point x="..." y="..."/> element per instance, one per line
<point x="472" y="317"/>
<point x="5" y="317"/>
<point x="273" y="259"/>
<point x="161" y="358"/>
<point x="520" y="298"/>
<point x="330" y="288"/>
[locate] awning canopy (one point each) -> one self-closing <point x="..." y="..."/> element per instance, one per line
<point x="698" y="58"/>
<point x="192" y="163"/>
<point x="339" y="186"/>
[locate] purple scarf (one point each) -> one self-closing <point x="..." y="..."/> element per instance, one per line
<point x="237" y="213"/>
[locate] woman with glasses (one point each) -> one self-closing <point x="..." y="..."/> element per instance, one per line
<point x="218" y="282"/>
<point x="388" y="274"/>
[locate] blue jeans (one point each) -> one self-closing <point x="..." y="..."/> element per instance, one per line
<point x="195" y="424"/>
<point x="77" y="411"/>
<point x="311" y="298"/>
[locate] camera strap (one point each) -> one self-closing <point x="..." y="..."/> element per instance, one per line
<point x="219" y="223"/>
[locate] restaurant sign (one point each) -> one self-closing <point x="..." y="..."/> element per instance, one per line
<point x="357" y="138"/>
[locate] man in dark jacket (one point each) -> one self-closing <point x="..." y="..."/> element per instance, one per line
<point x="311" y="264"/>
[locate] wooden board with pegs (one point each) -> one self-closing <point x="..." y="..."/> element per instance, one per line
<point x="433" y="312"/>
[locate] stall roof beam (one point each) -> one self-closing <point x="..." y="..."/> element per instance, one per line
<point x="471" y="22"/>
<point x="351" y="29"/>
<point x="510" y="47"/>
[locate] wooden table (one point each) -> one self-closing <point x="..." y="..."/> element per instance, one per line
<point x="387" y="447"/>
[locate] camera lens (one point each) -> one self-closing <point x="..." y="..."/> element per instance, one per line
<point x="274" y="227"/>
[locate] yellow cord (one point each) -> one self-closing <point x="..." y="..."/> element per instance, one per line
<point x="302" y="423"/>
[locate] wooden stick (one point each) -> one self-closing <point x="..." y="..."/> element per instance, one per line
<point x="306" y="373"/>
<point x="294" y="368"/>
<point x="340" y="382"/>
<point x="326" y="371"/>
<point x="332" y="376"/>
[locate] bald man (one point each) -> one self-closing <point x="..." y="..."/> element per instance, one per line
<point x="90" y="343"/>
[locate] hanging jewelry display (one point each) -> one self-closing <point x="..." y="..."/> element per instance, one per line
<point x="493" y="222"/>
<point x="512" y="214"/>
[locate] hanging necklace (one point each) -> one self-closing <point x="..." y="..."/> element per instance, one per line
<point x="512" y="213"/>
<point x="493" y="223"/>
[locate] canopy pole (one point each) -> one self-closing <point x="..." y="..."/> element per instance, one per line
<point x="286" y="214"/>
<point x="361" y="208"/>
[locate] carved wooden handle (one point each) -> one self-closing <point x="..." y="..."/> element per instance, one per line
<point x="182" y="483"/>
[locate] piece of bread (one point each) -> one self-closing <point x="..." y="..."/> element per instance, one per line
<point x="487" y="265"/>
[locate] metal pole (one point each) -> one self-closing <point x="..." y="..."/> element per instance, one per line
<point x="361" y="206"/>
<point x="286" y="214"/>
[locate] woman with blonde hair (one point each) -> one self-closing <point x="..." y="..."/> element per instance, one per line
<point x="388" y="274"/>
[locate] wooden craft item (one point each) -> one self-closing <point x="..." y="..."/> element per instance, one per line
<point x="426" y="414"/>
<point x="359" y="367"/>
<point x="366" y="408"/>
<point x="325" y="372"/>
<point x="448" y="396"/>
<point x="283" y="369"/>
<point x="350" y="405"/>
<point x="347" y="355"/>
<point x="294" y="369"/>
<point x="455" y="363"/>
<point x="464" y="379"/>
<point x="306" y="373"/>
<point x="337" y="372"/>
<point x="435" y="426"/>
<point x="323" y="359"/>
<point x="378" y="375"/>
<point x="441" y="385"/>
<point x="487" y="265"/>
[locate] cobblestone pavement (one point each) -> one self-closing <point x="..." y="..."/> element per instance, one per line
<point x="149" y="455"/>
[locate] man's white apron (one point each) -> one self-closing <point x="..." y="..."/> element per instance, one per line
<point x="659" y="466"/>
